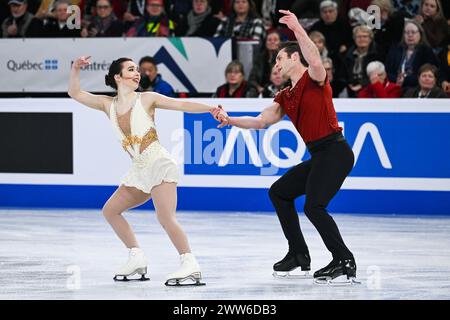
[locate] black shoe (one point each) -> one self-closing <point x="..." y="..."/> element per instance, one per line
<point x="292" y="261"/>
<point x="337" y="268"/>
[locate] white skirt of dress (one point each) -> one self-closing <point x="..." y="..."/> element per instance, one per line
<point x="151" y="168"/>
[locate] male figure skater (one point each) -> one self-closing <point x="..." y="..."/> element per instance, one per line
<point x="308" y="103"/>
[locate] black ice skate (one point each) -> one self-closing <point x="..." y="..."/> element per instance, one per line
<point x="284" y="268"/>
<point x="337" y="272"/>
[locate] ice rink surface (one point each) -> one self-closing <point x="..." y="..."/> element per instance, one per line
<point x="62" y="254"/>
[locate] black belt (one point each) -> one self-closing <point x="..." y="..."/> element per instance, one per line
<point x="334" y="137"/>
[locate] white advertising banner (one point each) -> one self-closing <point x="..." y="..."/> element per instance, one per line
<point x="43" y="65"/>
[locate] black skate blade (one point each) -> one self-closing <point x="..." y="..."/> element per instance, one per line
<point x="337" y="282"/>
<point x="125" y="279"/>
<point x="182" y="283"/>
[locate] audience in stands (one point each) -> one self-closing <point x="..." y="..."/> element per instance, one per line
<point x="262" y="65"/>
<point x="357" y="58"/>
<point x="433" y="23"/>
<point x="104" y="23"/>
<point x="151" y="80"/>
<point x="56" y="27"/>
<point x="199" y="22"/>
<point x="413" y="33"/>
<point x="20" y="23"/>
<point x="427" y="87"/>
<point x="379" y="86"/>
<point x="276" y="84"/>
<point x="236" y="85"/>
<point x="243" y="23"/>
<point x="154" y="23"/>
<point x="337" y="32"/>
<point x="405" y="59"/>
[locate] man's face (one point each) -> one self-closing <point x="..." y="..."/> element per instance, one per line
<point x="61" y="12"/>
<point x="149" y="69"/>
<point x="328" y="15"/>
<point x="18" y="10"/>
<point x="284" y="64"/>
<point x="199" y="6"/>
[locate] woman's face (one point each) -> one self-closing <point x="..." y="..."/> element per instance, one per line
<point x="429" y="8"/>
<point x="199" y="6"/>
<point x="241" y="6"/>
<point x="273" y="42"/>
<point x="103" y="8"/>
<point x="235" y="77"/>
<point x="276" y="78"/>
<point x="362" y="39"/>
<point x="319" y="43"/>
<point x="427" y="80"/>
<point x="130" y="76"/>
<point x="154" y="8"/>
<point x="411" y="34"/>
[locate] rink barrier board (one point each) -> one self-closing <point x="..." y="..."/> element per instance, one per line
<point x="229" y="199"/>
<point x="401" y="150"/>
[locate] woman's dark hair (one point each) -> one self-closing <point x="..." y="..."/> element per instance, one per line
<point x="115" y="68"/>
<point x="252" y="12"/>
<point x="429" y="67"/>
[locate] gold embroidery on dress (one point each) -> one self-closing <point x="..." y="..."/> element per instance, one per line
<point x="150" y="137"/>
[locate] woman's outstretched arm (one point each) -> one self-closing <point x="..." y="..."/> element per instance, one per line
<point x="160" y="101"/>
<point x="90" y="100"/>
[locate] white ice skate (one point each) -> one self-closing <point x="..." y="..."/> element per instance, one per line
<point x="189" y="273"/>
<point x="136" y="264"/>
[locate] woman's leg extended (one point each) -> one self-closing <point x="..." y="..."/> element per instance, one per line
<point x="165" y="201"/>
<point x="124" y="198"/>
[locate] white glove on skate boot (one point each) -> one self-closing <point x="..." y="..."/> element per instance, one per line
<point x="189" y="270"/>
<point x="137" y="263"/>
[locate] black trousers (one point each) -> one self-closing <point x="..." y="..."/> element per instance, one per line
<point x="319" y="179"/>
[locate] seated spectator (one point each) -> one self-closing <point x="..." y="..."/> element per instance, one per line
<point x="410" y="7"/>
<point x="391" y="31"/>
<point x="105" y="23"/>
<point x="357" y="59"/>
<point x="20" y="23"/>
<point x="236" y="86"/>
<point x="154" y="23"/>
<point x="89" y="8"/>
<point x="337" y="32"/>
<point x="337" y="81"/>
<point x="57" y="27"/>
<point x="199" y="22"/>
<point x="46" y="8"/>
<point x="135" y="11"/>
<point x="433" y="23"/>
<point x="427" y="87"/>
<point x="405" y="59"/>
<point x="276" y="84"/>
<point x="444" y="69"/>
<point x="380" y="86"/>
<point x="319" y="40"/>
<point x="177" y="10"/>
<point x="243" y="22"/>
<point x="151" y="80"/>
<point x="262" y="65"/>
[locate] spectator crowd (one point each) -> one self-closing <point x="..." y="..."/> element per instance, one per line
<point x="406" y="55"/>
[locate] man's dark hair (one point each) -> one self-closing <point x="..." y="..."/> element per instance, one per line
<point x="147" y="59"/>
<point x="291" y="47"/>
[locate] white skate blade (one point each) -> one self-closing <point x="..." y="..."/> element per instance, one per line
<point x="124" y="278"/>
<point x="294" y="274"/>
<point x="337" y="282"/>
<point x="191" y="280"/>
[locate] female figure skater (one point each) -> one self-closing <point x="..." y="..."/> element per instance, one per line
<point x="153" y="173"/>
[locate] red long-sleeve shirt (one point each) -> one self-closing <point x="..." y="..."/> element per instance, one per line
<point x="379" y="90"/>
